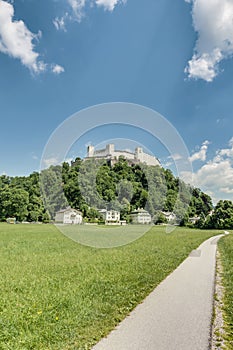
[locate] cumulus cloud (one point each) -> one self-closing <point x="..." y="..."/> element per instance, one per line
<point x="216" y="176"/>
<point x="109" y="4"/>
<point x="213" y="21"/>
<point x="78" y="10"/>
<point x="17" y="41"/>
<point x="57" y="69"/>
<point x="201" y="154"/>
<point x="77" y="7"/>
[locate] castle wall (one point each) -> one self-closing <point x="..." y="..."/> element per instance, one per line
<point x="126" y="155"/>
<point x="100" y="153"/>
<point x="147" y="158"/>
<point x="110" y="153"/>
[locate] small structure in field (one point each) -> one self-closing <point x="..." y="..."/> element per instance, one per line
<point x="140" y="216"/>
<point x="194" y="219"/>
<point x="111" y="217"/>
<point x="69" y="216"/>
<point x="123" y="222"/>
<point x="11" y="220"/>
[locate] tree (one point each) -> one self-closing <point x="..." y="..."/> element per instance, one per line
<point x="159" y="218"/>
<point x="13" y="203"/>
<point x="184" y="220"/>
<point x="52" y="189"/>
<point x="222" y="217"/>
<point x="46" y="217"/>
<point x="181" y="212"/>
<point x="93" y="184"/>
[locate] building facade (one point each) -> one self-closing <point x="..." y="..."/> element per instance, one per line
<point x="68" y="216"/>
<point x="109" y="153"/>
<point x="194" y="219"/>
<point x="140" y="216"/>
<point x="111" y="217"/>
<point x="170" y="216"/>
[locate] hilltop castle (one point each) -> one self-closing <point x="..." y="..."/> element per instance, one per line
<point x="112" y="155"/>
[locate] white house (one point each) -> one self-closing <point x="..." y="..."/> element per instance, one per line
<point x="68" y="216"/>
<point x="194" y="220"/>
<point x="111" y="217"/>
<point x="140" y="216"/>
<point x="169" y="216"/>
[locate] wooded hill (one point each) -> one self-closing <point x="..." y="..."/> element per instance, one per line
<point x="88" y="185"/>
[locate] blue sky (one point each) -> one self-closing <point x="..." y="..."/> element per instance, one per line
<point x="58" y="57"/>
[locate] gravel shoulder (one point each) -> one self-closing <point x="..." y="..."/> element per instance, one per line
<point x="217" y="342"/>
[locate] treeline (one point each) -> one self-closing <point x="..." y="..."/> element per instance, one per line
<point x="220" y="218"/>
<point x="88" y="185"/>
<point x="20" y="197"/>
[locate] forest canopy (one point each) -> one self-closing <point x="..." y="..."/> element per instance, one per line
<point x="90" y="185"/>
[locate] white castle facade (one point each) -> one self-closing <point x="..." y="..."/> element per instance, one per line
<point x="111" y="154"/>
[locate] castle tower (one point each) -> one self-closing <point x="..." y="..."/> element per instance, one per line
<point x="90" y="151"/>
<point x="110" y="149"/>
<point x="138" y="153"/>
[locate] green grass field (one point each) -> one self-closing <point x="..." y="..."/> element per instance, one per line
<point x="57" y="294"/>
<point x="226" y="251"/>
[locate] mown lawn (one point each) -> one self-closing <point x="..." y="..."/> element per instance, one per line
<point x="56" y="294"/>
<point x="226" y="251"/>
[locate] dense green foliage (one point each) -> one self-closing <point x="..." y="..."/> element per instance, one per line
<point x="127" y="187"/>
<point x="20" y="197"/>
<point x="91" y="185"/>
<point x="226" y="252"/>
<point x="56" y="294"/>
<point x="220" y="218"/>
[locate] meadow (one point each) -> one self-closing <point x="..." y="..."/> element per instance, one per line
<point x="57" y="294"/>
<point x="226" y="251"/>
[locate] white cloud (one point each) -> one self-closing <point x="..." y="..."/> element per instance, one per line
<point x="204" y="66"/>
<point x="51" y="161"/>
<point x="231" y="142"/>
<point x="77" y="7"/>
<point x="78" y="10"/>
<point x="226" y="190"/>
<point x="175" y="156"/>
<point x="16" y="40"/>
<point x="213" y="21"/>
<point x="69" y="160"/>
<point x="216" y="176"/>
<point x="109" y="4"/>
<point x="201" y="154"/>
<point x="170" y="160"/>
<point x="57" y="69"/>
<point x="60" y="23"/>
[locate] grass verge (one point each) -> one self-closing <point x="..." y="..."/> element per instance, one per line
<point x="225" y="246"/>
<point x="58" y="295"/>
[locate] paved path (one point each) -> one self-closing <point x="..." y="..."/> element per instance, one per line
<point x="177" y="314"/>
